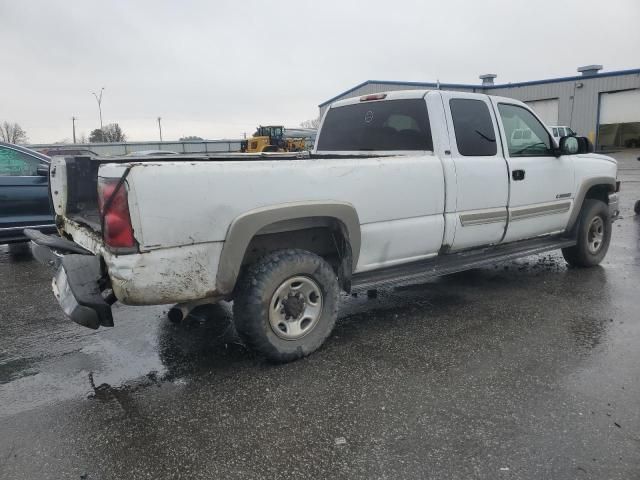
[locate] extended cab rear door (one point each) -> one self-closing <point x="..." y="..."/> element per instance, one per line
<point x="541" y="184"/>
<point x="481" y="187"/>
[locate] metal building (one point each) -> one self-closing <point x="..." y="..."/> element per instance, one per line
<point x="604" y="106"/>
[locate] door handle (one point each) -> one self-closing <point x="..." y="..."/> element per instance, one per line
<point x="517" y="175"/>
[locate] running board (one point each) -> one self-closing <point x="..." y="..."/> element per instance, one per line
<point x="448" y="263"/>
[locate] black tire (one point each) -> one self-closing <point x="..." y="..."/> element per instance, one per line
<point x="636" y="207"/>
<point x="588" y="252"/>
<point x="256" y="291"/>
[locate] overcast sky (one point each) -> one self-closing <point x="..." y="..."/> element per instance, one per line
<point x="217" y="69"/>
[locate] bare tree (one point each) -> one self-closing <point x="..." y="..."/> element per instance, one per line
<point x="12" y="133"/>
<point x="83" y="138"/>
<point x="313" y="123"/>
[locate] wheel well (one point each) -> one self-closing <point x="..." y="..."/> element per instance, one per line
<point x="599" y="192"/>
<point x="324" y="236"/>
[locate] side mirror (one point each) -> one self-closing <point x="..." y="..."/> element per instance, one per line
<point x="569" y="146"/>
<point x="585" y="145"/>
<point x="575" y="145"/>
<point x="43" y="170"/>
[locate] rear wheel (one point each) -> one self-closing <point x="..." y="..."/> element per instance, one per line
<point x="286" y="304"/>
<point x="593" y="235"/>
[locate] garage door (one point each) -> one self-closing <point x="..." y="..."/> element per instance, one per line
<point x="619" y="122"/>
<point x="547" y="110"/>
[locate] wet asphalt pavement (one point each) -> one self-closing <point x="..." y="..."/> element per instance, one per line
<point x="526" y="370"/>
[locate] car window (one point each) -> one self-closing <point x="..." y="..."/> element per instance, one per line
<point x="535" y="139"/>
<point x="387" y="125"/>
<point x="517" y="135"/>
<point x="473" y="127"/>
<point x="570" y="132"/>
<point x="17" y="164"/>
<point x="561" y="132"/>
<point x="555" y="132"/>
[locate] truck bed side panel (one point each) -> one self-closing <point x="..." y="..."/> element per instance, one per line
<point x="200" y="199"/>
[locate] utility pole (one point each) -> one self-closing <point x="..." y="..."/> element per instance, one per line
<point x="160" y="127"/>
<point x="73" y="121"/>
<point x="99" y="100"/>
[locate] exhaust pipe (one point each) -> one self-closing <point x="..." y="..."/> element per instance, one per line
<point x="179" y="312"/>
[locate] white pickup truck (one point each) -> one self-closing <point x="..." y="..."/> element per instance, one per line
<point x="400" y="186"/>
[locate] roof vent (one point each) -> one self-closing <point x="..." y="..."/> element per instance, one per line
<point x="589" y="70"/>
<point x="487" y="78"/>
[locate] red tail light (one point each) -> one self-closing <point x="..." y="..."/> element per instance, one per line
<point x="113" y="204"/>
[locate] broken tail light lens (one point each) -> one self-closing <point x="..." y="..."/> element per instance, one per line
<point x="113" y="204"/>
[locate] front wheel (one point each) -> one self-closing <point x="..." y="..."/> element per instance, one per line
<point x="286" y="304"/>
<point x="593" y="235"/>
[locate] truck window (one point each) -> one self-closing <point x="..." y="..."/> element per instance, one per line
<point x="535" y="141"/>
<point x="386" y="126"/>
<point x="472" y="124"/>
<point x="17" y="164"/>
<point x="555" y="132"/>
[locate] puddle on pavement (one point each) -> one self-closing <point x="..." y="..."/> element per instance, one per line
<point x="144" y="349"/>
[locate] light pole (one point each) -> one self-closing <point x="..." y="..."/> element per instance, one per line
<point x="99" y="100"/>
<point x="160" y="127"/>
<point x="73" y="121"/>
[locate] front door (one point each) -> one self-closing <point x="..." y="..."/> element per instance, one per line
<point x="24" y="195"/>
<point x="541" y="184"/>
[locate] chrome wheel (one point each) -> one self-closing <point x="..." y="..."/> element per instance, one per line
<point x="595" y="235"/>
<point x="295" y="308"/>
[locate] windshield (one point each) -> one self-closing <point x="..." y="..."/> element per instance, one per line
<point x="382" y="126"/>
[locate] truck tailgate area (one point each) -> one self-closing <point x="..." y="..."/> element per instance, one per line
<point x="74" y="190"/>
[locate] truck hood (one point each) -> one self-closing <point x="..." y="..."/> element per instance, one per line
<point x="598" y="156"/>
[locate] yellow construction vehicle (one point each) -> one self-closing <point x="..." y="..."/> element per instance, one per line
<point x="271" y="138"/>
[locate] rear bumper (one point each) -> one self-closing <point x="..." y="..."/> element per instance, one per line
<point x="16" y="234"/>
<point x="76" y="287"/>
<point x="77" y="281"/>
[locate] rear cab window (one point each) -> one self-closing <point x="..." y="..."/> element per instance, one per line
<point x="388" y="125"/>
<point x="475" y="135"/>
